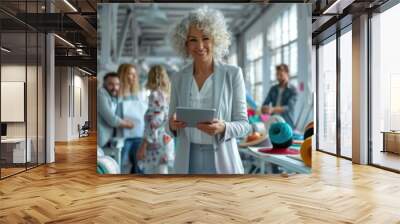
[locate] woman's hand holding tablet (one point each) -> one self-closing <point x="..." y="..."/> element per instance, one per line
<point x="175" y="124"/>
<point x="212" y="128"/>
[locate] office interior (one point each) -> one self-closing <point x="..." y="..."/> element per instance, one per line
<point x="48" y="77"/>
<point x="354" y="84"/>
<point x="332" y="62"/>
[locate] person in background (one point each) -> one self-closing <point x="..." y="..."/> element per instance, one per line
<point x="207" y="82"/>
<point x="107" y="100"/>
<point x="282" y="96"/>
<point x="157" y="149"/>
<point x="133" y="108"/>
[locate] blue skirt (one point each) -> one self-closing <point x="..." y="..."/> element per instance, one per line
<point x="202" y="159"/>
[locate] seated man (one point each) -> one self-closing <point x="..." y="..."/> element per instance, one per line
<point x="282" y="96"/>
<point x="107" y="118"/>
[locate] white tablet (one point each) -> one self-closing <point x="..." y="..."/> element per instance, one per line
<point x="192" y="116"/>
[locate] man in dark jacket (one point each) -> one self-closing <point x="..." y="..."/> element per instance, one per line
<point x="282" y="96"/>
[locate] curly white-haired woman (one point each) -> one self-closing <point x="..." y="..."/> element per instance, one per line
<point x="207" y="82"/>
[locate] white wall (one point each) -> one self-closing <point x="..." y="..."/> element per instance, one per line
<point x="70" y="84"/>
<point x="12" y="73"/>
<point x="33" y="127"/>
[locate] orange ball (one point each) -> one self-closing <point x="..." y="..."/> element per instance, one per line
<point x="305" y="152"/>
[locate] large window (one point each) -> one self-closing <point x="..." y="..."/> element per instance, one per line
<point x="334" y="106"/>
<point x="282" y="41"/>
<point x="327" y="96"/>
<point x="346" y="93"/>
<point x="385" y="88"/>
<point x="254" y="68"/>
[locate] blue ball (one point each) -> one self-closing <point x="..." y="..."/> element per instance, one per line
<point x="280" y="133"/>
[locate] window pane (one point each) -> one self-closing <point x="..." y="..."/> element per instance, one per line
<point x="258" y="94"/>
<point x="272" y="67"/>
<point x="346" y="94"/>
<point x="31" y="100"/>
<point x="285" y="27"/>
<point x="293" y="59"/>
<point x="278" y="32"/>
<point x="327" y="97"/>
<point x="258" y="75"/>
<point x="252" y="73"/>
<point x="293" y="23"/>
<point x="13" y="82"/>
<point x="247" y="77"/>
<point x="254" y="47"/>
<point x="286" y="55"/>
<point x="278" y="57"/>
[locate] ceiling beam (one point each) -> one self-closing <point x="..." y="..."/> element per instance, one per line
<point x="84" y="24"/>
<point x="82" y="61"/>
<point x="122" y="37"/>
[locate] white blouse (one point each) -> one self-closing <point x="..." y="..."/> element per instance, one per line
<point x="202" y="98"/>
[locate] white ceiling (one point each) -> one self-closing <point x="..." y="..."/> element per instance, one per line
<point x="155" y="36"/>
<point x="153" y="45"/>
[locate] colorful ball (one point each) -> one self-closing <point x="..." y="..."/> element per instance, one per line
<point x="107" y="165"/>
<point x="308" y="130"/>
<point x="273" y="119"/>
<point x="309" y="125"/>
<point x="308" y="133"/>
<point x="281" y="135"/>
<point x="305" y="152"/>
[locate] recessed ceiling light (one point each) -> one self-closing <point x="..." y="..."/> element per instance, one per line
<point x="5" y="50"/>
<point x="337" y="7"/>
<point x="64" y="40"/>
<point x="86" y="72"/>
<point x="70" y="5"/>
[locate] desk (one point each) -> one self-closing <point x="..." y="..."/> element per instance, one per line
<point x="13" y="150"/>
<point x="391" y="141"/>
<point x="291" y="163"/>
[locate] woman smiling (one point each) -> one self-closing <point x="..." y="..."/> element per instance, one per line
<point x="207" y="82"/>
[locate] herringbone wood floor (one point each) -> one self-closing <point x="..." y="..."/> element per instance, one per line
<point x="70" y="191"/>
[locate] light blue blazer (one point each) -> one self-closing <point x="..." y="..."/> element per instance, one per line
<point x="230" y="103"/>
<point x="107" y="119"/>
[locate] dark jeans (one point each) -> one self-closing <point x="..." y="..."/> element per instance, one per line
<point x="129" y="162"/>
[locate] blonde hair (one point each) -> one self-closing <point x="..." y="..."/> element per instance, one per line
<point x="126" y="87"/>
<point x="158" y="79"/>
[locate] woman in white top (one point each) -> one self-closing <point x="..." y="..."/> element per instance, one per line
<point x="133" y="108"/>
<point x="207" y="82"/>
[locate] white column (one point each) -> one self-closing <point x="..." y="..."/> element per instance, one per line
<point x="50" y="99"/>
<point x="360" y="90"/>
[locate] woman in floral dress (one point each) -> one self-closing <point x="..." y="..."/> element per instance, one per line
<point x="157" y="149"/>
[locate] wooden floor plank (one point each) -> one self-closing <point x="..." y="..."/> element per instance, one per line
<point x="70" y="191"/>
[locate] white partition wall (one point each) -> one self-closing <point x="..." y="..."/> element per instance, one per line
<point x="71" y="102"/>
<point x="23" y="88"/>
